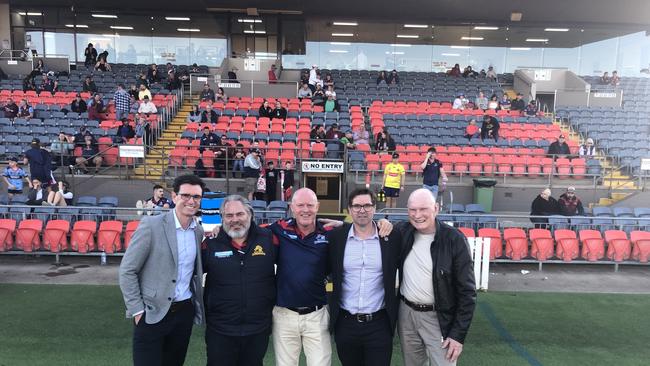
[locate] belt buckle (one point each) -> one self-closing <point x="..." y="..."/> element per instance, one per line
<point x="363" y="318"/>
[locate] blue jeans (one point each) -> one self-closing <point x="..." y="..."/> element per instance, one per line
<point x="238" y="165"/>
<point x="121" y="114"/>
<point x="433" y="189"/>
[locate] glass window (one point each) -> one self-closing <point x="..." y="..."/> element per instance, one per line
<point x="59" y="44"/>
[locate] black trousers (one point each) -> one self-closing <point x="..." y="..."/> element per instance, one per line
<point x="164" y="343"/>
<point x="363" y="344"/>
<point x="236" y="351"/>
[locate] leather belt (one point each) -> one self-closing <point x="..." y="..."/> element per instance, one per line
<point x="363" y="318"/>
<point x="306" y="309"/>
<point x="416" y="306"/>
<point x="178" y="305"/>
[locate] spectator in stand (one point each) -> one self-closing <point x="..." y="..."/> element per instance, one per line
<point x="384" y="142"/>
<point x="89" y="156"/>
<point x="89" y="85"/>
<point x="605" y="79"/>
<point x="588" y="149"/>
<point x="208" y="140"/>
<point x="393" y="182"/>
<point x="172" y="83"/>
<point x="25" y="111"/>
<point x="195" y="114"/>
<point x="317" y="133"/>
<point x="490" y="128"/>
<point x="232" y="75"/>
<point x="381" y="79"/>
<point x="481" y="101"/>
<point x="134" y="105"/>
<point x="133" y="91"/>
<point x="78" y="105"/>
<point x="152" y="74"/>
<point x="348" y="141"/>
<point x="330" y="92"/>
<point x="493" y="103"/>
<point x="504" y="104"/>
<point x="80" y="137"/>
<point x="40" y="162"/>
<point x="124" y="133"/>
<point x="39" y="69"/>
<point x="304" y="77"/>
<point x="102" y="65"/>
<point x="90" y="54"/>
<point x="279" y="112"/>
<point x="59" y="195"/>
<point x="147" y="107"/>
<point x="469" y="72"/>
<point x="265" y="110"/>
<point x="304" y="92"/>
<point x="221" y="96"/>
<point x="287" y="181"/>
<point x="10" y="108"/>
<point x="460" y="102"/>
<point x="96" y="110"/>
<point x="209" y="115"/>
<point x="170" y="68"/>
<point x="144" y="92"/>
<point x="271" y="175"/>
<point x="29" y="84"/>
<point x="361" y="135"/>
<point x="207" y="95"/>
<point x="531" y="109"/>
<point x="252" y="171"/>
<point x="313" y="73"/>
<point x="273" y="78"/>
<point x="334" y="133"/>
<point x="569" y="204"/>
<point x="491" y="74"/>
<point x="455" y="71"/>
<point x="319" y="81"/>
<point x="615" y="80"/>
<point x="238" y="159"/>
<point x="543" y="205"/>
<point x="328" y="81"/>
<point x="142" y="80"/>
<point x="318" y="98"/>
<point x="559" y="148"/>
<point x="49" y="85"/>
<point x="143" y="129"/>
<point x="393" y="78"/>
<point x="122" y="103"/>
<point x="37" y="194"/>
<point x="518" y="104"/>
<point x="432" y="171"/>
<point x="156" y="202"/>
<point x="331" y="104"/>
<point x="472" y="130"/>
<point x="14" y="175"/>
<point x="61" y="150"/>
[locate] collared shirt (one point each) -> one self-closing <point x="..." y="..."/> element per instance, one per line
<point x="363" y="277"/>
<point x="186" y="241"/>
<point x="122" y="100"/>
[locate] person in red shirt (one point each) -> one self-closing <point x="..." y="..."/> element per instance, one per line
<point x="273" y="79"/>
<point x="472" y="130"/>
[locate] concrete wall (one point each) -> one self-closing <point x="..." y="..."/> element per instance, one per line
<point x="56" y="64"/>
<point x="247" y="88"/>
<point x="15" y="67"/>
<point x="262" y="74"/>
<point x="5" y="30"/>
<point x="524" y="84"/>
<point x="571" y="98"/>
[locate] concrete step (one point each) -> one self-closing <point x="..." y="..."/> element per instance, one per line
<point x="618" y="196"/>
<point x="605" y="201"/>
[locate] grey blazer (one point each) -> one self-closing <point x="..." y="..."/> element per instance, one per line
<point x="150" y="266"/>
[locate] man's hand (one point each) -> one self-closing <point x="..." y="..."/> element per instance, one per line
<point x="330" y="223"/>
<point x="214" y="232"/>
<point x="385" y="227"/>
<point x="137" y="318"/>
<point x="454" y="349"/>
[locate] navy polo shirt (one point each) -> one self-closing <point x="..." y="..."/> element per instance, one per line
<point x="431" y="173"/>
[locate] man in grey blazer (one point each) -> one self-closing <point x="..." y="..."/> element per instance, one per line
<point x="160" y="278"/>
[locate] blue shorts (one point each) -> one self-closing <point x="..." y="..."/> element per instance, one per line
<point x="391" y="192"/>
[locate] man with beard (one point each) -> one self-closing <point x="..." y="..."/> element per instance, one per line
<point x="239" y="288"/>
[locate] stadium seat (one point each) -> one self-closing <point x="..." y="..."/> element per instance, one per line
<point x="467" y="231"/>
<point x="516" y="243"/>
<point x="109" y="236"/>
<point x="496" y="246"/>
<point x="541" y="244"/>
<point x="131" y="226"/>
<point x="7" y="229"/>
<point x="55" y="236"/>
<point x="82" y="239"/>
<point x="618" y="246"/>
<point x="593" y="245"/>
<point x="567" y="245"/>
<point x="602" y="211"/>
<point x="28" y="235"/>
<point x="87" y="201"/>
<point x="641" y="245"/>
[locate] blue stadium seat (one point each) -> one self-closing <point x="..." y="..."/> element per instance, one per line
<point x="87" y="201"/>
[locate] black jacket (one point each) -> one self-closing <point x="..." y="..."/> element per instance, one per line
<point x="557" y="148"/>
<point x="240" y="285"/>
<point x="390" y="260"/>
<point x="212" y="118"/>
<point x="453" y="278"/>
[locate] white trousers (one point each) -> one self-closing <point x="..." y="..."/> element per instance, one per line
<point x="291" y="331"/>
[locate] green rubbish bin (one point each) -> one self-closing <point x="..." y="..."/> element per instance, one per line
<point x="484" y="192"/>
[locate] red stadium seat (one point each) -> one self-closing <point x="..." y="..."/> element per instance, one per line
<point x="7" y="229"/>
<point x="593" y="245"/>
<point x="641" y="245"/>
<point x="618" y="246"/>
<point x="191" y="157"/>
<point x="109" y="236"/>
<point x="516" y="243"/>
<point x="82" y="238"/>
<point x="563" y="166"/>
<point x="467" y="231"/>
<point x="128" y="233"/>
<point x="567" y="245"/>
<point x="541" y="244"/>
<point x="518" y="166"/>
<point x="28" y="235"/>
<point x="55" y="236"/>
<point x="496" y="246"/>
<point x="534" y="165"/>
<point x="578" y="167"/>
<point x="318" y="150"/>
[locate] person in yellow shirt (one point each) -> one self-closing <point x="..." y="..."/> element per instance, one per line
<point x="394" y="175"/>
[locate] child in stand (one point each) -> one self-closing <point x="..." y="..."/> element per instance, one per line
<point x="239" y="156"/>
<point x="13" y="176"/>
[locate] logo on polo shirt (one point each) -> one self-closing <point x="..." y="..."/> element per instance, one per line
<point x="258" y="250"/>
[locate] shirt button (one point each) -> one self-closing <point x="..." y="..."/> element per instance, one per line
<point x="169" y="298"/>
<point x="173" y="281"/>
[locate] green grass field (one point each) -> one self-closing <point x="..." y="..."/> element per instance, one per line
<point x="53" y="325"/>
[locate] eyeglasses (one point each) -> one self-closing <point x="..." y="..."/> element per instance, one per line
<point x="357" y="208"/>
<point x="187" y="196"/>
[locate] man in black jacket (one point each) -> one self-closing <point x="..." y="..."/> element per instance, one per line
<point x="437" y="286"/>
<point x="559" y="148"/>
<point x="364" y="303"/>
<point x="240" y="287"/>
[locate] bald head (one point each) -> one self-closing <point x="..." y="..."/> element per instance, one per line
<point x="422" y="211"/>
<point x="422" y="195"/>
<point x="302" y="194"/>
<point x="304" y="207"/>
